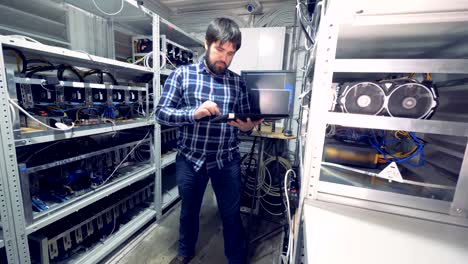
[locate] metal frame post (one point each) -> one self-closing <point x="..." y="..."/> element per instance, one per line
<point x="157" y="128"/>
<point x="11" y="201"/>
<point x="323" y="74"/>
<point x="459" y="205"/>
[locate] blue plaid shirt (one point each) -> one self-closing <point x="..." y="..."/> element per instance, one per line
<point x="202" y="141"/>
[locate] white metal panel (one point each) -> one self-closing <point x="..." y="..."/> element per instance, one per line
<point x="262" y="49"/>
<point x="341" y="234"/>
<point x="90" y="33"/>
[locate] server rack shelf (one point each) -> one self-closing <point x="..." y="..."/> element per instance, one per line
<point x="22" y="217"/>
<point x="18" y="229"/>
<point x="337" y="56"/>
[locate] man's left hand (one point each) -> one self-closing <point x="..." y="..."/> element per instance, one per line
<point x="245" y="126"/>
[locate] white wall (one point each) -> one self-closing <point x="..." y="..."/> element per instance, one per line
<point x="341" y="234"/>
<point x="262" y="49"/>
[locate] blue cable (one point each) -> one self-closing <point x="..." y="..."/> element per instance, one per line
<point x="373" y="141"/>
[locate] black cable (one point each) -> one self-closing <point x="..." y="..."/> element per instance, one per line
<point x="311" y="6"/>
<point x="101" y="76"/>
<point x="114" y="81"/>
<point x="22" y="57"/>
<point x="40" y="69"/>
<point x="91" y="72"/>
<point x="309" y="38"/>
<point x="63" y="67"/>
<point x="39" y="61"/>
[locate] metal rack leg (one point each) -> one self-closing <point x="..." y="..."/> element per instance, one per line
<point x="11" y="201"/>
<point x="254" y="197"/>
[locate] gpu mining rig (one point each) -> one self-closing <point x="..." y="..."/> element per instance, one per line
<point x="49" y="94"/>
<point x="80" y="135"/>
<point x="172" y="54"/>
<point x="385" y="159"/>
<point x="385" y="133"/>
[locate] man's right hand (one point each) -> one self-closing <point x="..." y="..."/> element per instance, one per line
<point x="208" y="108"/>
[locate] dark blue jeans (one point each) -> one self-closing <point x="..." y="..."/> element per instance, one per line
<point x="226" y="184"/>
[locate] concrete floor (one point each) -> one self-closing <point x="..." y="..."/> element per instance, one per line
<point x="158" y="244"/>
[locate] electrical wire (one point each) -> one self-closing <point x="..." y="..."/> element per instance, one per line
<point x="268" y="211"/>
<point x="42" y="149"/>
<point x="262" y="185"/>
<point x="38" y="121"/>
<point x="309" y="25"/>
<point x="19" y="54"/>
<point x="126" y="157"/>
<point x="115" y="224"/>
<point x="44" y="82"/>
<point x="169" y="60"/>
<point x="109" y="14"/>
<point x="373" y="174"/>
<point x="291" y="233"/>
<point x="13" y="114"/>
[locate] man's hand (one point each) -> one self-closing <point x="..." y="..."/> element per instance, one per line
<point x="208" y="108"/>
<point x="245" y="126"/>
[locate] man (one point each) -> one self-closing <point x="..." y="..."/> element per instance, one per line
<point x="208" y="150"/>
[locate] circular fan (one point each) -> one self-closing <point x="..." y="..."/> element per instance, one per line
<point x="412" y="100"/>
<point x="363" y="98"/>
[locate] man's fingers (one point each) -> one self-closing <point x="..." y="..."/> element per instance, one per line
<point x="258" y="122"/>
<point x="211" y="107"/>
<point x="234" y="124"/>
<point x="214" y="110"/>
<point x="210" y="110"/>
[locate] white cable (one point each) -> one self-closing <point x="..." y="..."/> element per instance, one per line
<point x="163" y="64"/>
<point x="368" y="173"/>
<point x="170" y="62"/>
<point x="332" y="130"/>
<point x="13" y="114"/>
<point x="148" y="56"/>
<point x="109" y="14"/>
<point x="42" y="149"/>
<point x="64" y="128"/>
<point x="275" y="214"/>
<point x="113" y="125"/>
<point x="43" y="82"/>
<point x="289" y="211"/>
<point x="126" y="157"/>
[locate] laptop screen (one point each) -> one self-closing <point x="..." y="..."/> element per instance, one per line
<point x="271" y="92"/>
<point x="269" y="101"/>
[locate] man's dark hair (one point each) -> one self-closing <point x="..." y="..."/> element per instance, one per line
<point x="223" y="30"/>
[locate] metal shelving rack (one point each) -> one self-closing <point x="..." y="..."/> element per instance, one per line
<point x="17" y="222"/>
<point x="324" y="66"/>
<point x="21" y="219"/>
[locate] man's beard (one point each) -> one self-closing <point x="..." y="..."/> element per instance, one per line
<point x="212" y="65"/>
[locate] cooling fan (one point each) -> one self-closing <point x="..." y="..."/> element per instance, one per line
<point x="366" y="98"/>
<point x="411" y="100"/>
<point x="401" y="98"/>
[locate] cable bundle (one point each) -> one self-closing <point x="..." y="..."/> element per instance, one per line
<point x="309" y="23"/>
<point x="109" y="112"/>
<point x="399" y="157"/>
<point x="266" y="189"/>
<point x="385" y="142"/>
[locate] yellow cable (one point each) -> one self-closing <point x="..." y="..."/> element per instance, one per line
<point x="428" y="77"/>
<point x="68" y="188"/>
